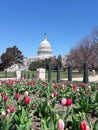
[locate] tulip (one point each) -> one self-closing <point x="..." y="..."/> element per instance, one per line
<point x="83" y="85"/>
<point x="5" y="98"/>
<point x="74" y="86"/>
<point x="2" y="94"/>
<point x="55" y="94"/>
<point x="86" y="92"/>
<point x="77" y="90"/>
<point x="89" y="87"/>
<point x="55" y="86"/>
<point x="12" y="109"/>
<point x="26" y="93"/>
<point x="60" y="124"/>
<point x="52" y="95"/>
<point x="63" y="87"/>
<point x="3" y="113"/>
<point x="69" y="102"/>
<point x="8" y="106"/>
<point x="26" y="100"/>
<point x="63" y="101"/>
<point x="17" y="96"/>
<point x="84" y="126"/>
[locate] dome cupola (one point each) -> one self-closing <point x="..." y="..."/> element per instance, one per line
<point x="45" y="48"/>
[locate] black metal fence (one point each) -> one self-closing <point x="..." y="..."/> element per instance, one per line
<point x="58" y="78"/>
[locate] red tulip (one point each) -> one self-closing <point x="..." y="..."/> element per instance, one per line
<point x="60" y="124"/>
<point x="8" y="106"/>
<point x="83" y="85"/>
<point x="84" y="126"/>
<point x="17" y="96"/>
<point x="74" y="86"/>
<point x="12" y="109"/>
<point x="86" y="92"/>
<point x="69" y="102"/>
<point x="55" y="94"/>
<point x="26" y="100"/>
<point x="5" y="98"/>
<point x="2" y="94"/>
<point x="55" y="86"/>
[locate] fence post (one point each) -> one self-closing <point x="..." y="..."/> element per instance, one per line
<point x="5" y="74"/>
<point x="69" y="73"/>
<point x="85" y="76"/>
<point x="28" y="75"/>
<point x="32" y="75"/>
<point x="49" y="73"/>
<point x="58" y="74"/>
<point x="24" y="76"/>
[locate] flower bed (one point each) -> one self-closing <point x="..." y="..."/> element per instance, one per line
<point x="38" y="105"/>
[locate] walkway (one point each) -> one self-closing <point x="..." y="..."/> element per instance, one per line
<point x="91" y="78"/>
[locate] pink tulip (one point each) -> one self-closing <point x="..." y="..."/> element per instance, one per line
<point x="63" y="101"/>
<point x="84" y="126"/>
<point x="60" y="124"/>
<point x="89" y="87"/>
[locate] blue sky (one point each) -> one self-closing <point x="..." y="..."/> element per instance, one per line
<point x="24" y="22"/>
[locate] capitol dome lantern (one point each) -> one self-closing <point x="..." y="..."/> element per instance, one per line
<point x="45" y="50"/>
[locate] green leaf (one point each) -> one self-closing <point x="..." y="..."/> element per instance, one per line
<point x="97" y="97"/>
<point x="51" y="124"/>
<point x="43" y="124"/>
<point x="96" y="125"/>
<point x="23" y="116"/>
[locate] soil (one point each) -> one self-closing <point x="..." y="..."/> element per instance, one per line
<point x="36" y="125"/>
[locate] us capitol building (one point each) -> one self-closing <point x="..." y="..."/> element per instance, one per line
<point x="44" y="51"/>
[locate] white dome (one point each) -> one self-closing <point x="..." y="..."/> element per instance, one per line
<point x="45" y="48"/>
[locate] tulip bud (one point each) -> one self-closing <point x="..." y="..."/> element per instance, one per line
<point x="55" y="94"/>
<point x="26" y="93"/>
<point x="89" y="87"/>
<point x="69" y="102"/>
<point x="2" y="94"/>
<point x="5" y="98"/>
<point x="84" y="126"/>
<point x="60" y="124"/>
<point x="12" y="109"/>
<point x="52" y="95"/>
<point x="17" y="96"/>
<point x="63" y="101"/>
<point x="57" y="116"/>
<point x="26" y="100"/>
<point x="77" y="90"/>
<point x="83" y="85"/>
<point x="3" y="113"/>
